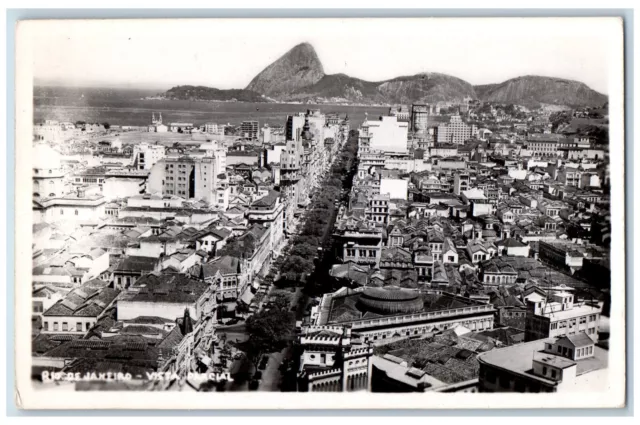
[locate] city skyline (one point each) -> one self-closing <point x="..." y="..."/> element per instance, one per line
<point x="138" y="54"/>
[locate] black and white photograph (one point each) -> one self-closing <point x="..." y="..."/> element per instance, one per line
<point x="385" y="211"/>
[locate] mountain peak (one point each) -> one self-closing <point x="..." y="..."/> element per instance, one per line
<point x="297" y="68"/>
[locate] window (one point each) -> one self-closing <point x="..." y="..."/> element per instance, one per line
<point x="553" y="373"/>
<point x="78" y="326"/>
<point x="38" y="307"/>
<point x="76" y="212"/>
<point x="55" y="326"/>
<point x="372" y="253"/>
<point x="46" y="325"/>
<point x="61" y="212"/>
<point x="87" y="326"/>
<point x="544" y="371"/>
<point x="65" y="326"/>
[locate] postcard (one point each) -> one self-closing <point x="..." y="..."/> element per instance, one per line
<point x="395" y="213"/>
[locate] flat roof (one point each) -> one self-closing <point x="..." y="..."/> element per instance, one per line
<point x="580" y="310"/>
<point x="519" y="358"/>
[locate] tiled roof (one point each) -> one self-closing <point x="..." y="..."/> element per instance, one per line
<point x="169" y="288"/>
<point x="78" y="303"/>
<point x="579" y="340"/>
<point x="136" y="264"/>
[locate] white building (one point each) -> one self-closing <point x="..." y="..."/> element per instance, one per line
<point x="211" y="128"/>
<point x="386" y="134"/>
<point x="395" y="188"/>
<point x="71" y="208"/>
<point x="145" y="156"/>
<point x="48" y="174"/>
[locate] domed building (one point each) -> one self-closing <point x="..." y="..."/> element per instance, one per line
<point x="48" y="174"/>
<point x="391" y="300"/>
<point x="386" y="314"/>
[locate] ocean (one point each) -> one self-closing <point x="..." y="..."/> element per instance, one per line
<point x="126" y="107"/>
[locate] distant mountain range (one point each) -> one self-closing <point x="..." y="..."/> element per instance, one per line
<point x="298" y="75"/>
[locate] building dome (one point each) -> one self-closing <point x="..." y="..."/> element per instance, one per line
<point x="391" y="301"/>
<point x="477" y="226"/>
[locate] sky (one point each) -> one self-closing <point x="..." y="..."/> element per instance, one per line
<point x="229" y="53"/>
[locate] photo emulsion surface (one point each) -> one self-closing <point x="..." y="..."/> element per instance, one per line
<point x="279" y="207"/>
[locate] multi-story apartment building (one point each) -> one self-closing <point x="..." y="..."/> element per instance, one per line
<point x="211" y="128"/>
<point x="184" y="176"/>
<point x="461" y="183"/>
<point x="558" y="315"/>
<point x="359" y="242"/>
<point x="145" y="156"/>
<point x="455" y="131"/>
<point x="419" y="118"/>
<point x="378" y="210"/>
<point x="386" y="134"/>
<point x="544" y="145"/>
<point x="249" y="130"/>
<point x="269" y="212"/>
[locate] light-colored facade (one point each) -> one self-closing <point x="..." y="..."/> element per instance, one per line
<point x="558" y="315"/>
<point x="331" y="362"/>
<point x="455" y="131"/>
<point x="565" y="364"/>
<point x="186" y="177"/>
<point x="48" y="174"/>
<point x="386" y="134"/>
<point x="402" y="315"/>
<point x="145" y="156"/>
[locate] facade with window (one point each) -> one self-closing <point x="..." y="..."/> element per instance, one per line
<point x="72" y="207"/>
<point x="131" y="268"/>
<point x="400" y="313"/>
<point x="79" y="310"/>
<point x="359" y="244"/>
<point x="331" y="362"/>
<point x="562" y="364"/>
<point x="48" y="173"/>
<point x="558" y="315"/>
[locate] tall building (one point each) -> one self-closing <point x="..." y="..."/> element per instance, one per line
<point x="386" y="134"/>
<point x="186" y="177"/>
<point x="455" y="131"/>
<point x="419" y="118"/>
<point x="461" y="183"/>
<point x="269" y="212"/>
<point x="145" y="156"/>
<point x="249" y="130"/>
<point x="48" y="175"/>
<point x="293" y="127"/>
<point x="211" y="128"/>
